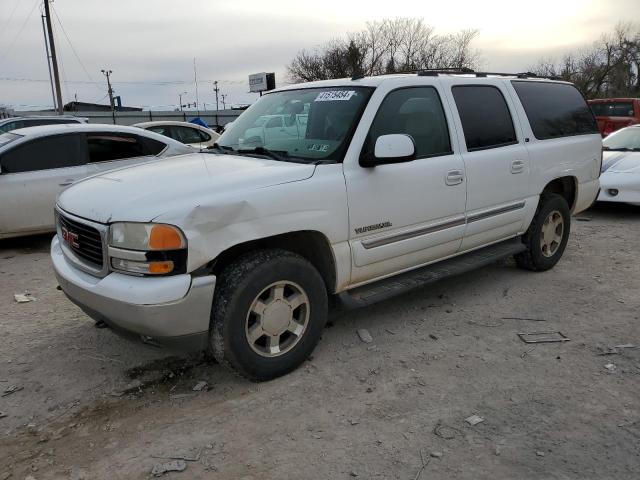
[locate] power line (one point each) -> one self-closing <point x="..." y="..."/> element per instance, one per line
<point x="129" y="82"/>
<point x="8" y="22"/>
<point x="24" y="24"/>
<point x="73" y="48"/>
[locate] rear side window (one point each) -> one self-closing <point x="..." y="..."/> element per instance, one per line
<point x="44" y="153"/>
<point x="105" y="147"/>
<point x="185" y="134"/>
<point x="415" y="111"/>
<point x="486" y="120"/>
<point x="555" y="110"/>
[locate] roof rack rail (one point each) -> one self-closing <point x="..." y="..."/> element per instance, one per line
<point x="434" y="72"/>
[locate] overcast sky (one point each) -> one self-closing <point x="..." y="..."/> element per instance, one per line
<point x="150" y="44"/>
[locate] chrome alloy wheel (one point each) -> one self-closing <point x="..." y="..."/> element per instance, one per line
<point x="277" y="319"/>
<point x="551" y="233"/>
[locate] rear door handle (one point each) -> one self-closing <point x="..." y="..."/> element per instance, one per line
<point x="454" y="177"/>
<point x="517" y="166"/>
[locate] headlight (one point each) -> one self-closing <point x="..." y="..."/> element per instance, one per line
<point x="147" y="248"/>
<point x="146" y="236"/>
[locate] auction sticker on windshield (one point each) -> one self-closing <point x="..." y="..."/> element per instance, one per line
<point x="334" y="95"/>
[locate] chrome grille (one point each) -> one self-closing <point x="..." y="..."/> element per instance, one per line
<point x="88" y="244"/>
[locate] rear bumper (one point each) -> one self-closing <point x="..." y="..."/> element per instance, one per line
<point x="627" y="186"/>
<point x="171" y="311"/>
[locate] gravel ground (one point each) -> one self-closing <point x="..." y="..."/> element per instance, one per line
<point x="91" y="405"/>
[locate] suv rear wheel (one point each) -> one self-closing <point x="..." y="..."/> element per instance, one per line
<point x="268" y="313"/>
<point x="547" y="235"/>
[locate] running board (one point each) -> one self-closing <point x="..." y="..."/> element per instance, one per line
<point x="405" y="282"/>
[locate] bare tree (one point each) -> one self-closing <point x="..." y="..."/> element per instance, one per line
<point x="387" y="46"/>
<point x="609" y="68"/>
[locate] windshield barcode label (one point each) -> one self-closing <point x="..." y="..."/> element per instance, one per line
<point x="335" y="95"/>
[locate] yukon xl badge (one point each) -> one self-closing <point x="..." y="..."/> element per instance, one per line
<point x="370" y="228"/>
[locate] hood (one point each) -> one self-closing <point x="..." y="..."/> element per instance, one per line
<point x="143" y="192"/>
<point x="621" y="162"/>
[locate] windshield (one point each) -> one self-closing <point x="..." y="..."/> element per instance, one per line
<point x="612" y="109"/>
<point x="309" y="124"/>
<point x="625" y="139"/>
<point x="8" y="137"/>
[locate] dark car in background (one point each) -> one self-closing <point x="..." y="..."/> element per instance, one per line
<point x="615" y="113"/>
<point x="13" y="123"/>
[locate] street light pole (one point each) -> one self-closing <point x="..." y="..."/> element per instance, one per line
<point x="180" y="97"/>
<point x="216" y="89"/>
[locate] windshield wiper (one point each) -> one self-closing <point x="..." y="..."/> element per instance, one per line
<point x="216" y="147"/>
<point x="280" y="155"/>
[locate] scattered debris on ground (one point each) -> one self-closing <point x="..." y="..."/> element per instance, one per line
<point x="474" y="420"/>
<point x="446" y="431"/>
<point x="24" y="297"/>
<point x="364" y="335"/>
<point x="160" y="469"/>
<point x="200" y="386"/>
<point x="11" y="389"/>
<point x="611" y="367"/>
<point x="543" y="337"/>
<point x="615" y="350"/>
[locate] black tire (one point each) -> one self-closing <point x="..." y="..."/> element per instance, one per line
<point x="533" y="257"/>
<point x="238" y="286"/>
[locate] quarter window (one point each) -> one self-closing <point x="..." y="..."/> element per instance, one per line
<point x="486" y="120"/>
<point x="555" y="109"/>
<point x="415" y="111"/>
<point x="44" y="153"/>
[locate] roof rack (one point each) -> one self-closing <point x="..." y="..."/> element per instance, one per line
<point x="434" y="72"/>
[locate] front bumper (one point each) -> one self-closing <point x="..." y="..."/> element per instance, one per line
<point x="169" y="311"/>
<point x="627" y="186"/>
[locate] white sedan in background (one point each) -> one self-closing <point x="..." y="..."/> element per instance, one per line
<point x="191" y="134"/>
<point x="37" y="163"/>
<point x="620" y="177"/>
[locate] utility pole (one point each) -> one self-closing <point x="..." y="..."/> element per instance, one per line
<point x="224" y="104"/>
<point x="46" y="47"/>
<point x="107" y="73"/>
<point x="180" y="97"/>
<point x="54" y="61"/>
<point x="216" y="89"/>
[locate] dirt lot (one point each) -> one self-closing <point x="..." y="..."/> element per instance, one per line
<point x="92" y="405"/>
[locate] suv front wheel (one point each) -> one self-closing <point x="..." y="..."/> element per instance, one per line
<point x="547" y="235"/>
<point x="268" y="313"/>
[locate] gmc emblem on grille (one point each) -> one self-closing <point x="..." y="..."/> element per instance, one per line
<point x="70" y="237"/>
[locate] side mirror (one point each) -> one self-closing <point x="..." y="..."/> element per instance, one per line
<point x="392" y="148"/>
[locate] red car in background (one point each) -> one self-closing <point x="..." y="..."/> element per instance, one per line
<point x="615" y="113"/>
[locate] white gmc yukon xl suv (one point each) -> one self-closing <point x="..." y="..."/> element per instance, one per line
<point x="366" y="188"/>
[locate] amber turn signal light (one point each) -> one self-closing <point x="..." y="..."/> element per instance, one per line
<point x="165" y="237"/>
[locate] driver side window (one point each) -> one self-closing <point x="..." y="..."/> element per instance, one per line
<point x="417" y="112"/>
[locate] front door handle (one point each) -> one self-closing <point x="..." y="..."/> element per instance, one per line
<point x="67" y="182"/>
<point x="454" y="177"/>
<point x="517" y="166"/>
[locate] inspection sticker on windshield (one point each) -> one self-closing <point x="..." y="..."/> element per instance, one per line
<point x="334" y="95"/>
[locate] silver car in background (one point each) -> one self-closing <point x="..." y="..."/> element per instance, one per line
<point x="37" y="163"/>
